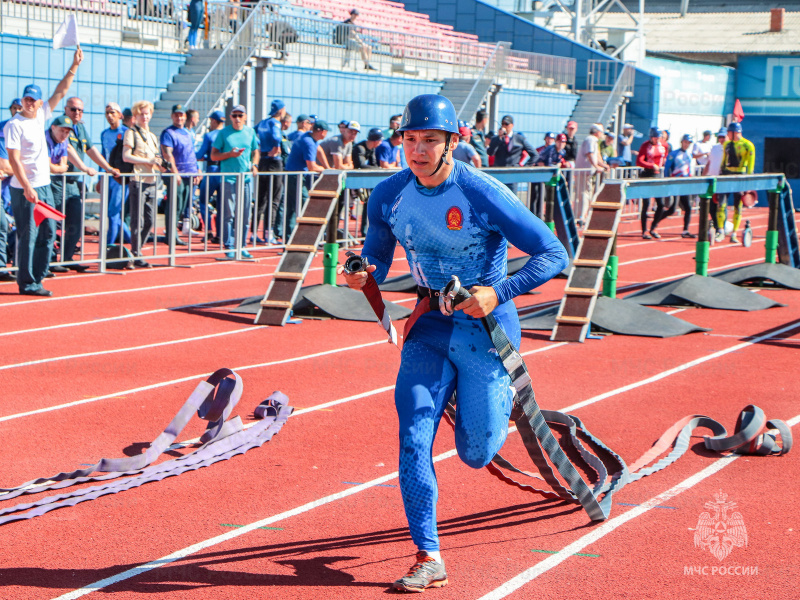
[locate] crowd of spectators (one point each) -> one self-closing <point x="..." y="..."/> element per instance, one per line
<point x="206" y="184"/>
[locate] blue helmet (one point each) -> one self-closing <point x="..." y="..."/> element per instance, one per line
<point x="429" y="111"/>
<point x="462" y="124"/>
<point x="735" y="127"/>
<point x="722" y="132"/>
<point x="655" y="132"/>
<point x="687" y="137"/>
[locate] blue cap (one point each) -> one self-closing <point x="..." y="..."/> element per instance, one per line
<point x="217" y="116"/>
<point x="63" y="121"/>
<point x="722" y="132"/>
<point x="344" y="123"/>
<point x="320" y="125"/>
<point x="429" y="111"/>
<point x="735" y="127"/>
<point x="462" y="124"/>
<point x="375" y="134"/>
<point x="549" y="134"/>
<point x="313" y="117"/>
<point x="276" y="106"/>
<point x="16" y="102"/>
<point x="655" y="132"/>
<point x="687" y="137"/>
<point x="32" y="91"/>
<point x="301" y="118"/>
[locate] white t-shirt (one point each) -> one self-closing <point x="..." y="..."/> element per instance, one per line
<point x="715" y="160"/>
<point x="589" y="146"/>
<point x="27" y="136"/>
<point x="702" y="148"/>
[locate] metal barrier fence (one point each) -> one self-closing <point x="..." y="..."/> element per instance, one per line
<point x="223" y="215"/>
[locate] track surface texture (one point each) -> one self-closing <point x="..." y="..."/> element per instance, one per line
<point x="100" y="368"/>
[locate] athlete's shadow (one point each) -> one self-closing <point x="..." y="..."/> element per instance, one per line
<point x="283" y="564"/>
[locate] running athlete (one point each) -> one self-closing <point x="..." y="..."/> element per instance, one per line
<point x="450" y="219"/>
<point x="738" y="158"/>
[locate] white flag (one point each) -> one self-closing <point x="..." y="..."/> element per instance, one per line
<point x="67" y="34"/>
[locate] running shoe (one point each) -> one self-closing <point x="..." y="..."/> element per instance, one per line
<point x="646" y="236"/>
<point x="720" y="235"/>
<point x="734" y="238"/>
<point x="246" y="254"/>
<point x="655" y="234"/>
<point x="688" y="235"/>
<point x="426" y="573"/>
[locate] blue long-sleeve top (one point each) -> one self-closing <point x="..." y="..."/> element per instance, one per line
<point x="460" y="228"/>
<point x="269" y="135"/>
<point x="204" y="153"/>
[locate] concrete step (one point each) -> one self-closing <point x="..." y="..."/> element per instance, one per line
<point x="186" y="87"/>
<point x="194" y="68"/>
<point x="195" y="78"/>
<point x="170" y="98"/>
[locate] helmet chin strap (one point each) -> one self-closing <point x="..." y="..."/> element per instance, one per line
<point x="443" y="160"/>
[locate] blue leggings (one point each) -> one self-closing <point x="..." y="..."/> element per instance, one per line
<point x="443" y="355"/>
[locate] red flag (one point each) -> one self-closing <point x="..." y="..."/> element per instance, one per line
<point x="738" y="113"/>
<point x="44" y="211"/>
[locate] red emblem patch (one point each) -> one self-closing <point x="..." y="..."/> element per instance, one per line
<point x="454" y="218"/>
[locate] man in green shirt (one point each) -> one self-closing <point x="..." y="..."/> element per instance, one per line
<point x="236" y="150"/>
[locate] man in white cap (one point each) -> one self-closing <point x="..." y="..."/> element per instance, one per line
<point x="30" y="162"/>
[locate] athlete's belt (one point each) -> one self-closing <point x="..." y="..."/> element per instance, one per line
<point x="213" y="400"/>
<point x="753" y="433"/>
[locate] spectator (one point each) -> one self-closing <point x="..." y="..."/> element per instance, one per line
<point x="118" y="231"/>
<point x="236" y="149"/>
<point x="177" y="148"/>
<point x="192" y="121"/>
<point x="680" y="163"/>
<point x="286" y="145"/>
<point x="364" y="152"/>
<point x="5" y="194"/>
<point x="345" y="35"/>
<point x="303" y="157"/>
<point x="75" y="190"/>
<point x="549" y="140"/>
<point x="464" y="151"/>
<point x="571" y="147"/>
<point x="394" y="125"/>
<point x="665" y="140"/>
<point x="364" y="158"/>
<point x="738" y="158"/>
<point x="507" y="148"/>
<point x="624" y="152"/>
<point x="58" y="150"/>
<point x="608" y="149"/>
<point x="478" y="139"/>
<point x="196" y="14"/>
<point x="127" y="118"/>
<point x="339" y="148"/>
<point x="270" y="143"/>
<point x="650" y="158"/>
<point x="589" y="157"/>
<point x="555" y="155"/>
<point x="141" y="149"/>
<point x="210" y="186"/>
<point x="304" y="125"/>
<point x="27" y="155"/>
<point x="702" y="149"/>
<point x="388" y="153"/>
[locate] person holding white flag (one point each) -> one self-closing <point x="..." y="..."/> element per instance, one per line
<point x="27" y="153"/>
<point x="67" y="34"/>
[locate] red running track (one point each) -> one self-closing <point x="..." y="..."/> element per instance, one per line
<point x="316" y="513"/>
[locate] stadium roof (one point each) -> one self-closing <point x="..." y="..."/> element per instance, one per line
<point x="718" y="33"/>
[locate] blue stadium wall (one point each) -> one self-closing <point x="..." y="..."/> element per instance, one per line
<point x="492" y="24"/>
<point x="371" y="99"/>
<point x="107" y="74"/>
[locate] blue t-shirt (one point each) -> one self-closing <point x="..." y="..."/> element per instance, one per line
<point x="292" y="137"/>
<point x="205" y="150"/>
<point x="109" y="137"/>
<point x="623" y="151"/>
<point x="56" y="153"/>
<point x="182" y="144"/>
<point x="550" y="156"/>
<point x="679" y="164"/>
<point x="303" y="149"/>
<point x="461" y="227"/>
<point x="386" y="152"/>
<point x="269" y="134"/>
<point x="464" y="152"/>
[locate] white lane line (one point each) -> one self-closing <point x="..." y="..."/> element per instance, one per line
<point x="182" y="380"/>
<point x="612" y="524"/>
<point x="687" y="252"/>
<point x="175" y="556"/>
<point x="128" y="291"/>
<point x="43" y="361"/>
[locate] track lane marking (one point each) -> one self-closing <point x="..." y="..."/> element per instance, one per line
<point x="180" y="554"/>
<point x="43" y="361"/>
<point x="611" y="525"/>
